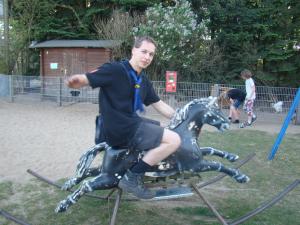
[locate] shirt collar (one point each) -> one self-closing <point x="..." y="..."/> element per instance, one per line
<point x="129" y="67"/>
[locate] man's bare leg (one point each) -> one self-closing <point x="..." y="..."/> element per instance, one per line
<point x="132" y="179"/>
<point x="169" y="144"/>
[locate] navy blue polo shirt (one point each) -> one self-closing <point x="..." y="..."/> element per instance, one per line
<point x="116" y="99"/>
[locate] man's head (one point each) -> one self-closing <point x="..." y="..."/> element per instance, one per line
<point x="143" y="51"/>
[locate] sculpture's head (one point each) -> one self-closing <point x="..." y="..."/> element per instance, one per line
<point x="199" y="112"/>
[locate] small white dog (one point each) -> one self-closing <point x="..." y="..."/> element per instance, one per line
<point x="277" y="106"/>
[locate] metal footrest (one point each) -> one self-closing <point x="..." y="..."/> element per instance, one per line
<point x="172" y="192"/>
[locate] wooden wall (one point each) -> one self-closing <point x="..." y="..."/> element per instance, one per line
<point x="67" y="61"/>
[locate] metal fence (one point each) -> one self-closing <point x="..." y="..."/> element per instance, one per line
<point x="266" y="96"/>
<point x="15" y="87"/>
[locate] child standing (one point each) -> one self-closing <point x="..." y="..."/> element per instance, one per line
<point x="250" y="97"/>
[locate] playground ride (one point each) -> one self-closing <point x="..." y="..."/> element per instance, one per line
<point x="187" y="122"/>
<point x="186" y="162"/>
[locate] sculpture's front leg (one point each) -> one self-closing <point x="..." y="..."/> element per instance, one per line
<point x="205" y="165"/>
<point x="114" y="165"/>
<point x="90" y="172"/>
<point x="101" y="182"/>
<point x="82" y="170"/>
<point x="223" y="154"/>
<point x="73" y="198"/>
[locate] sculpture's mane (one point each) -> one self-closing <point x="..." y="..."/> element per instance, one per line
<point x="182" y="113"/>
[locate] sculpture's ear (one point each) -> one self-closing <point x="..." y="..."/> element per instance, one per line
<point x="212" y="100"/>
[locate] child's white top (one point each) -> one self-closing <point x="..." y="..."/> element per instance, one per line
<point x="249" y="83"/>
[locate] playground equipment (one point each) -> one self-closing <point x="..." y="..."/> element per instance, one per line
<point x="177" y="166"/>
<point x="285" y="125"/>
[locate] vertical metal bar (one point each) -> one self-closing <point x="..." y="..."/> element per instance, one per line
<point x="59" y="92"/>
<point x="297" y="116"/>
<point x="285" y="125"/>
<point x="11" y="88"/>
<point x="116" y="207"/>
<point x="217" y="214"/>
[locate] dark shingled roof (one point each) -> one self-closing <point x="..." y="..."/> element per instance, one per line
<point x="75" y="44"/>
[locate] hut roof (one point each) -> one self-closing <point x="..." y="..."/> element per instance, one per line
<point x="75" y="44"/>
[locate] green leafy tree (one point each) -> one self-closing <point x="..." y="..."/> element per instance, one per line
<point x="177" y="33"/>
<point x="258" y="35"/>
<point x="232" y="25"/>
<point x="34" y="20"/>
<point x="279" y="61"/>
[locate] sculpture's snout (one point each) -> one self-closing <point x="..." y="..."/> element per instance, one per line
<point x="224" y="126"/>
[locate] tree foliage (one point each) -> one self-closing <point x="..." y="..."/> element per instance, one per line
<point x="33" y="20"/>
<point x="259" y="35"/>
<point x="119" y="27"/>
<point x="174" y="28"/>
<point x="206" y="41"/>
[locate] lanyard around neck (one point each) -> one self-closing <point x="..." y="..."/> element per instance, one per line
<point x="138" y="105"/>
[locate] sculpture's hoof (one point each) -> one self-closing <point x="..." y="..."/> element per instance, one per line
<point x="232" y="157"/>
<point x="68" y="185"/>
<point x="242" y="178"/>
<point x="62" y="206"/>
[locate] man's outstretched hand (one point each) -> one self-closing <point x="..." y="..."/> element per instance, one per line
<point x="77" y="81"/>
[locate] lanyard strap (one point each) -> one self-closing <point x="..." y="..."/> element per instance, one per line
<point x="138" y="105"/>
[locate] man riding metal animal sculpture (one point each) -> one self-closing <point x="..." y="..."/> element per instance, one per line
<point x="187" y="122"/>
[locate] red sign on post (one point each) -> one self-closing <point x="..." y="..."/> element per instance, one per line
<point x="171" y="81"/>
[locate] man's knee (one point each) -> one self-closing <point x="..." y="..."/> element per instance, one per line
<point x="172" y="138"/>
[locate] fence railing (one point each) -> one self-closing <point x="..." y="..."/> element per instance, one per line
<point x="53" y="88"/>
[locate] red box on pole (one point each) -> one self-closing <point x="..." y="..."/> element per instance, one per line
<point x="171" y="81"/>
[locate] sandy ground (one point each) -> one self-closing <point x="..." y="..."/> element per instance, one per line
<point x="49" y="139"/>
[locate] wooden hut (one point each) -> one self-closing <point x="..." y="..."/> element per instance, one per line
<point x="61" y="58"/>
<point x="65" y="57"/>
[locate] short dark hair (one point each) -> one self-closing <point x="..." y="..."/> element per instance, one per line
<point x="246" y="73"/>
<point x="139" y="40"/>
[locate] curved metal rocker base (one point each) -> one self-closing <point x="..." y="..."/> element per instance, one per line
<point x="267" y="204"/>
<point x="12" y="218"/>
<point x="119" y="192"/>
<point x="261" y="208"/>
<point x="112" y="219"/>
<point x="52" y="183"/>
<point x="210" y="181"/>
<point x="118" y="196"/>
<point x="196" y="188"/>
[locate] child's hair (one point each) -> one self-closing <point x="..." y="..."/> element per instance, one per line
<point x="246" y="74"/>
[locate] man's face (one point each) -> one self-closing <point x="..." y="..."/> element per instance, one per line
<point x="143" y="56"/>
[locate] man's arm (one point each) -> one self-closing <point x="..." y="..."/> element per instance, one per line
<point x="77" y="81"/>
<point x="164" y="109"/>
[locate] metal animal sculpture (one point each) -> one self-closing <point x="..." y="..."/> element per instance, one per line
<point x="187" y="122"/>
